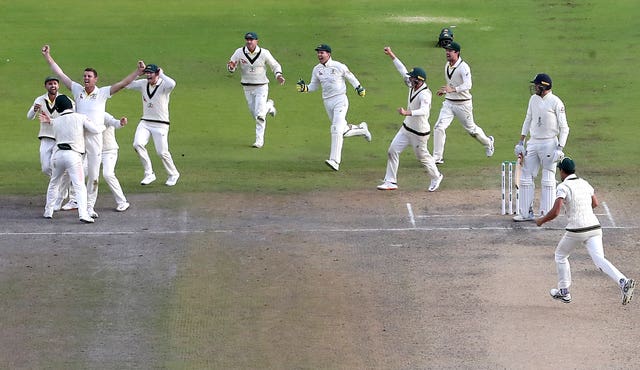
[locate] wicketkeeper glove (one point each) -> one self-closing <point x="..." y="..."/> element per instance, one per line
<point x="301" y="86"/>
<point x="361" y="91"/>
<point x="519" y="150"/>
<point x="558" y="154"/>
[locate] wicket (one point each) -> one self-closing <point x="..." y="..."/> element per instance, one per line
<point x="508" y="171"/>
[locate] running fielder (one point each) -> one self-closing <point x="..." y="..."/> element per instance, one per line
<point x="546" y="125"/>
<point x="155" y="90"/>
<point x="415" y="127"/>
<point x="457" y="104"/>
<point x="579" y="200"/>
<point x="253" y="62"/>
<point x="330" y="75"/>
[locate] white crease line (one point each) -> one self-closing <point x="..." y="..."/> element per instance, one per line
<point x="609" y="215"/>
<point x="412" y="219"/>
<point x="287" y="231"/>
<point x="448" y="216"/>
<point x="116" y="232"/>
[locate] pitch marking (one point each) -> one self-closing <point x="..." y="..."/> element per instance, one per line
<point x="411" y="218"/>
<point x="609" y="215"/>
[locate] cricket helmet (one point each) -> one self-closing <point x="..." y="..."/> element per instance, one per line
<point x="445" y="38"/>
<point x="62" y="103"/>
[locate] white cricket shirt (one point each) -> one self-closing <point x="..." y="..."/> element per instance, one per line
<point x="331" y="76"/>
<point x="577" y="193"/>
<point x="253" y="66"/>
<point x="69" y="128"/>
<point x="546" y="119"/>
<point x="155" y="99"/>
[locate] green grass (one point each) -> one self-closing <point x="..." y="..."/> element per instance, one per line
<point x="587" y="48"/>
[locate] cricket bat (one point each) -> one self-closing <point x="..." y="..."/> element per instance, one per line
<point x="518" y="171"/>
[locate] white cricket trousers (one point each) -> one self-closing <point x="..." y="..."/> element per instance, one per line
<point x="402" y="140"/>
<point x="93" y="157"/>
<point x="47" y="146"/>
<point x="160" y="134"/>
<point x="539" y="153"/>
<point x="256" y="97"/>
<point x="71" y="162"/>
<point x="109" y="160"/>
<point x="337" y="107"/>
<point x="463" y="111"/>
<point x="593" y="241"/>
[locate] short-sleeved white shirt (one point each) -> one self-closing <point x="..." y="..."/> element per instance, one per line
<point x="70" y="127"/>
<point x="93" y="105"/>
<point x="577" y="194"/>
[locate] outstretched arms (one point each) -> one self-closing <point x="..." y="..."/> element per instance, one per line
<point x="55" y="68"/>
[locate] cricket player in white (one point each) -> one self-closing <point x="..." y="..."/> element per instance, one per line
<point x="253" y="61"/>
<point x="69" y="130"/>
<point x="156" y="90"/>
<point x="91" y="101"/>
<point x="457" y="104"/>
<point x="45" y="104"/>
<point x="583" y="228"/>
<point x="110" y="158"/>
<point x="415" y="129"/>
<point x="330" y="75"/>
<point x="546" y="125"/>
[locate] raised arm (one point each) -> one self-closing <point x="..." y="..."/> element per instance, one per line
<point x="55" y="68"/>
<point x="129" y="79"/>
<point x="171" y="83"/>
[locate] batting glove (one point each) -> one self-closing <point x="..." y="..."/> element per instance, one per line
<point x="361" y="91"/>
<point x="558" y="154"/>
<point x="519" y="150"/>
<point x="301" y="86"/>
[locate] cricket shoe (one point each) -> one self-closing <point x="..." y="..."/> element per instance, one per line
<point x="123" y="207"/>
<point x="388" y="185"/>
<point x="562" y="295"/>
<point x="272" y="109"/>
<point x="148" y="179"/>
<point x="367" y="133"/>
<point x="48" y="213"/>
<point x="92" y="213"/>
<point x="87" y="220"/>
<point x="70" y="206"/>
<point x="489" y="151"/>
<point x="435" y="183"/>
<point x="521" y="218"/>
<point x="333" y="164"/>
<point x="439" y="161"/>
<point x="257" y="145"/>
<point x="172" y="180"/>
<point x="627" y="287"/>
